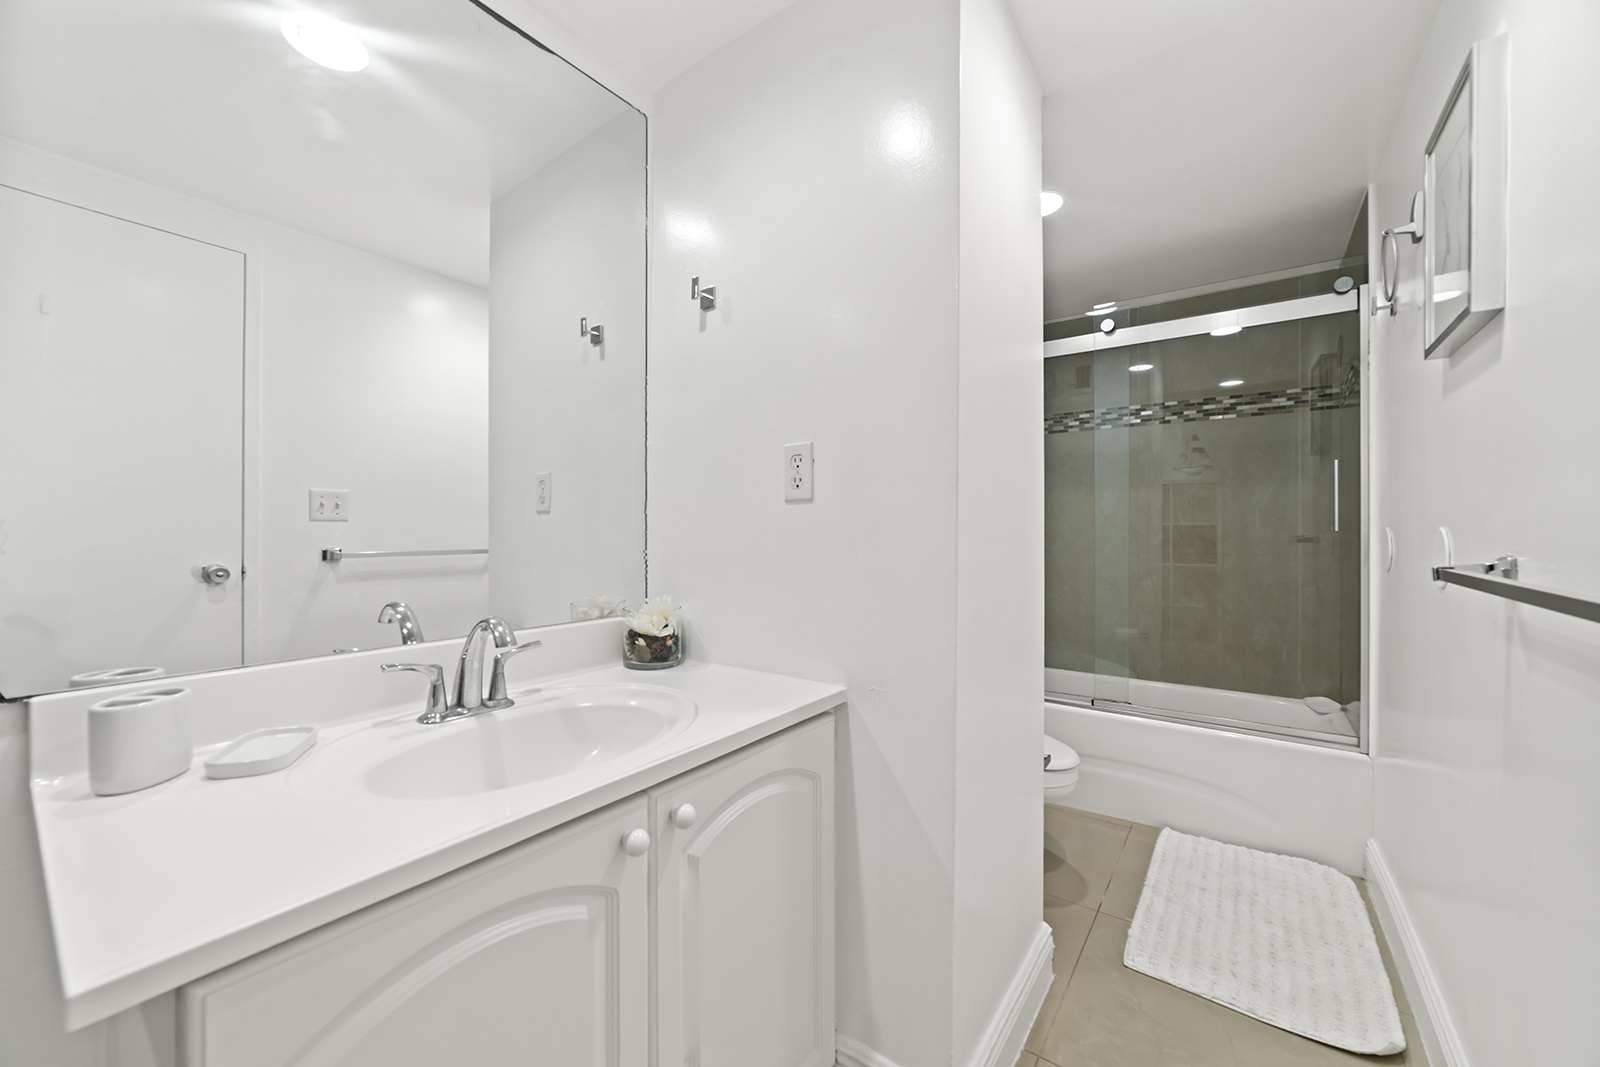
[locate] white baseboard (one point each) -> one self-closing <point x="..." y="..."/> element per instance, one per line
<point x="1440" y="1039"/>
<point x="852" y="1053"/>
<point x="1007" y="1031"/>
<point x="1002" y="1039"/>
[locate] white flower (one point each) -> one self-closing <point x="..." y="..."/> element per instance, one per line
<point x="657" y="617"/>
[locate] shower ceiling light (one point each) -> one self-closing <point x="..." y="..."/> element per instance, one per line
<point x="1139" y="368"/>
<point x="1231" y="382"/>
<point x="1226" y="331"/>
<point x="1050" y="202"/>
<point x="1103" y="309"/>
<point x="324" y="40"/>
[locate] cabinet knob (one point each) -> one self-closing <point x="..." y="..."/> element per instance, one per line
<point x="636" y="842"/>
<point x="683" y="816"/>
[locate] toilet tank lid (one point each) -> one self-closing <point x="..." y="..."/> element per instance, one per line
<point x="1062" y="757"/>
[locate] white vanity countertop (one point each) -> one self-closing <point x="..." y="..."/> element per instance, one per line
<point x="156" y="888"/>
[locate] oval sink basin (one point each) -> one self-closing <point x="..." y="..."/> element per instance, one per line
<point x="547" y="734"/>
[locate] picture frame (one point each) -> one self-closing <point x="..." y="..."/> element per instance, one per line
<point x="1464" y="198"/>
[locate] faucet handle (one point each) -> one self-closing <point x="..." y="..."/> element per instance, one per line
<point x="438" y="701"/>
<point x="497" y="680"/>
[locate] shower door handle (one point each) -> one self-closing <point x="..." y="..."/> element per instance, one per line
<point x="1335" y="496"/>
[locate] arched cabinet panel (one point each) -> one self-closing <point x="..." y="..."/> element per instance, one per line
<point x="743" y="874"/>
<point x="536" y="955"/>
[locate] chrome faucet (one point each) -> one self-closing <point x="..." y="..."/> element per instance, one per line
<point x="398" y="611"/>
<point x="469" y="668"/>
<point x="469" y="699"/>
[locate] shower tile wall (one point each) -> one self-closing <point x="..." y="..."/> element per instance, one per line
<point x="1202" y="552"/>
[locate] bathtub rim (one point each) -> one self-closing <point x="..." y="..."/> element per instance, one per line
<point x="1241" y="727"/>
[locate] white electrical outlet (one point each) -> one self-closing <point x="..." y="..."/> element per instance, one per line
<point x="541" y="492"/>
<point x="330" y="505"/>
<point x="797" y="471"/>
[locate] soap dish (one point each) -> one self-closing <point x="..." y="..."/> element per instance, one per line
<point x="261" y="752"/>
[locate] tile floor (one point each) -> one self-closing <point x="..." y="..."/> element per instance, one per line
<point x="1100" y="1014"/>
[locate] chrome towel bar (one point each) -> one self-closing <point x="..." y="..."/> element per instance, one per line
<point x="334" y="555"/>
<point x="1500" y="579"/>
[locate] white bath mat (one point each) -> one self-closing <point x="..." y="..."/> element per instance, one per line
<point x="1281" y="939"/>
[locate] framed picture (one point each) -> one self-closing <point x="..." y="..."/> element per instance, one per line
<point x="1464" y="197"/>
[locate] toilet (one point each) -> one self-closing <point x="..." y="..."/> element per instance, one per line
<point x="1060" y="771"/>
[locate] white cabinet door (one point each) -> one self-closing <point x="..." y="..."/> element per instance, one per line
<point x="539" y="955"/>
<point x="121" y="463"/>
<point x="744" y="907"/>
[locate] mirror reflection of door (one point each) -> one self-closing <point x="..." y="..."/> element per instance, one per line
<point x="121" y="378"/>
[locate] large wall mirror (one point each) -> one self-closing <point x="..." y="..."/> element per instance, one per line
<point x="279" y="278"/>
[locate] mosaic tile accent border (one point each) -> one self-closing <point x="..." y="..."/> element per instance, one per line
<point x="1208" y="408"/>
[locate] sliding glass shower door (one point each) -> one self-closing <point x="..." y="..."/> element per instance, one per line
<point x="1203" y="521"/>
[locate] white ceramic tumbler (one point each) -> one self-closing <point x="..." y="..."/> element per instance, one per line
<point x="138" y="740"/>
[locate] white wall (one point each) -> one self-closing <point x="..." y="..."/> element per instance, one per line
<point x="999" y="820"/>
<point x="569" y="243"/>
<point x="809" y="171"/>
<point x="32" y="1018"/>
<point x="373" y="378"/>
<point x="361" y="374"/>
<point x="1489" y="713"/>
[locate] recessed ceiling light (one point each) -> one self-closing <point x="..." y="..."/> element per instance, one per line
<point x="324" y="40"/>
<point x="1231" y="382"/>
<point x="1050" y="202"/>
<point x="1103" y="309"/>
<point x="1448" y="294"/>
<point x="1139" y="367"/>
<point x="1112" y="304"/>
<point x="1226" y="331"/>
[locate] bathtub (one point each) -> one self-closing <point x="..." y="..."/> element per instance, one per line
<point x="1284" y="716"/>
<point x="1279" y="795"/>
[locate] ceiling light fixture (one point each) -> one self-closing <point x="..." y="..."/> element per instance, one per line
<point x="1139" y="368"/>
<point x="324" y="40"/>
<point x="1050" y="203"/>
<point x="1448" y="294"/>
<point x="1103" y="309"/>
<point x="1231" y="382"/>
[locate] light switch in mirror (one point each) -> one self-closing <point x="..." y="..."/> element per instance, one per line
<point x="234" y="265"/>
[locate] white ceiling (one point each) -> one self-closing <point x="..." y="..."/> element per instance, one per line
<point x="206" y="98"/>
<point x="1202" y="140"/>
<point x="651" y="41"/>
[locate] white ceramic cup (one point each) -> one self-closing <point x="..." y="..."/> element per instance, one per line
<point x="139" y="740"/>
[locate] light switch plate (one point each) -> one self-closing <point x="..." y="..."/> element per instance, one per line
<point x="541" y="492"/>
<point x="797" y="471"/>
<point x="330" y="505"/>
